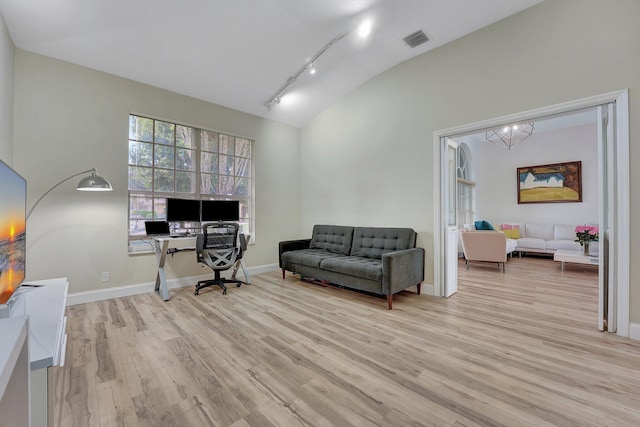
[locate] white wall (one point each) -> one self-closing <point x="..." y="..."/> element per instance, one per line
<point x="496" y="177"/>
<point x="6" y="94"/>
<point x="369" y="158"/>
<point x="69" y="118"/>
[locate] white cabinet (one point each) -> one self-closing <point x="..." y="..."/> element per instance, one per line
<point x="14" y="372"/>
<point x="44" y="302"/>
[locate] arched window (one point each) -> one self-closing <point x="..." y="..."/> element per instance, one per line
<point x="466" y="186"/>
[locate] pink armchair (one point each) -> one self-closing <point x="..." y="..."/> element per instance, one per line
<point x="487" y="246"/>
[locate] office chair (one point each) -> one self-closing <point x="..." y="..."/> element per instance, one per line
<point x="217" y="248"/>
<point x="244" y="242"/>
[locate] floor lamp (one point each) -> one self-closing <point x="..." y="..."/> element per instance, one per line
<point x="89" y="183"/>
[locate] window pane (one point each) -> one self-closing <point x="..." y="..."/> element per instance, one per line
<point x="242" y="186"/>
<point x="140" y="128"/>
<point x="165" y="133"/>
<point x="163" y="180"/>
<point x="243" y="147"/>
<point x="140" y="207"/>
<point x="164" y="156"/>
<point x="136" y="227"/>
<point x="140" y="153"/>
<point x="209" y="141"/>
<point x="227" y="186"/>
<point x="160" y="207"/>
<point x="209" y="162"/>
<point x="185" y="159"/>
<point x="140" y="178"/>
<point x="209" y="183"/>
<point x="242" y="166"/>
<point x="227" y="144"/>
<point x="184" y="137"/>
<point x="185" y="182"/>
<point x="226" y="165"/>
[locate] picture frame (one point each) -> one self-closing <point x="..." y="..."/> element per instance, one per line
<point x="552" y="183"/>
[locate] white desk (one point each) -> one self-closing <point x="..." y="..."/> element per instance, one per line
<point x="162" y="244"/>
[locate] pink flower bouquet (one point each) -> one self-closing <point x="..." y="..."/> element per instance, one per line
<point x="586" y="233"/>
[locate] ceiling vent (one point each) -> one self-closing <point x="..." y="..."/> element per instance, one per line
<point x="416" y="39"/>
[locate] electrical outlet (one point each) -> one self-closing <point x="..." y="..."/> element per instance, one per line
<point x="105" y="276"/>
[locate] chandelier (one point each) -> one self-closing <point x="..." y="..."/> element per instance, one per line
<point x="510" y="135"/>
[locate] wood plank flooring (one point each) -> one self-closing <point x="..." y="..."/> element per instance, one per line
<point x="514" y="349"/>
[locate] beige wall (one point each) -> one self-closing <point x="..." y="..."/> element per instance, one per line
<point x="69" y="118"/>
<point x="6" y="94"/>
<point x="368" y="159"/>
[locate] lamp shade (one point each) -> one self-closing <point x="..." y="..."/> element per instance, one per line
<point x="94" y="183"/>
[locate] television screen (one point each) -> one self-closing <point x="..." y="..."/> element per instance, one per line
<point x="13" y="203"/>
<point x="220" y="210"/>
<point x="186" y="210"/>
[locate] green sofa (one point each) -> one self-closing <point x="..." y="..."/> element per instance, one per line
<point x="379" y="260"/>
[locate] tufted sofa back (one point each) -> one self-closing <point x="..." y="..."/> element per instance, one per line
<point x="372" y="242"/>
<point x="332" y="238"/>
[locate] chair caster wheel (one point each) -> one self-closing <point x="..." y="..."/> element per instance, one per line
<point x="196" y="293"/>
<point x="238" y="285"/>
<point x="224" y="292"/>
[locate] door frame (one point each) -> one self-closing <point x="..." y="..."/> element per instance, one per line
<point x="619" y="258"/>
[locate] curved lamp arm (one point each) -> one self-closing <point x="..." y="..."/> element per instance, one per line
<point x="93" y="171"/>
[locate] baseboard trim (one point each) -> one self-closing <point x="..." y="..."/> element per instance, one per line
<point x="634" y="331"/>
<point x="427" y="289"/>
<point x="143" y="288"/>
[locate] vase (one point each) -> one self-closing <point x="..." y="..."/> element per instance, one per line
<point x="585" y="248"/>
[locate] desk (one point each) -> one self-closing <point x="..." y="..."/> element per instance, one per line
<point x="162" y="244"/>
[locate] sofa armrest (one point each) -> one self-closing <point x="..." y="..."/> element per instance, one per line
<point x="291" y="245"/>
<point x="401" y="269"/>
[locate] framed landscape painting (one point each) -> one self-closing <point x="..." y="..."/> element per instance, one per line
<point x="555" y="183"/>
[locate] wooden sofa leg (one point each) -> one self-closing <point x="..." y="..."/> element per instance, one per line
<point x="418" y="286"/>
<point x="389" y="301"/>
<point x="283" y="273"/>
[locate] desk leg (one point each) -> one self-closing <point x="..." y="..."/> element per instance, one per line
<point x="561" y="265"/>
<point x="161" y="277"/>
<point x="240" y="263"/>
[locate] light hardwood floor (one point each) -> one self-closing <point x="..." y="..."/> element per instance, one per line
<point x="514" y="349"/>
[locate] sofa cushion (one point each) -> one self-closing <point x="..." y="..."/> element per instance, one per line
<point x="539" y="231"/>
<point x="308" y="257"/>
<point x="511" y="245"/>
<point x="564" y="232"/>
<point x="568" y="245"/>
<point x="512" y="234"/>
<point x="531" y="243"/>
<point x="370" y="242"/>
<point x="332" y="238"/>
<point x="367" y="268"/>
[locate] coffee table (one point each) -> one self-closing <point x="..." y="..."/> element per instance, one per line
<point x="576" y="257"/>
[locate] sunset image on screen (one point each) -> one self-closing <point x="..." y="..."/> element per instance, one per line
<point x="12" y="231"/>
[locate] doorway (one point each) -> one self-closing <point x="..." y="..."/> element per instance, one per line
<point x="613" y="190"/>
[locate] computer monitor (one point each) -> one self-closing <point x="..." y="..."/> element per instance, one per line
<point x="183" y="210"/>
<point x="220" y="210"/>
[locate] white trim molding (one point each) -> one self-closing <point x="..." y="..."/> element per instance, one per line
<point x="143" y="288"/>
<point x="634" y="331"/>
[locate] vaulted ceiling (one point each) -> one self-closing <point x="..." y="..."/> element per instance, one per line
<point x="239" y="53"/>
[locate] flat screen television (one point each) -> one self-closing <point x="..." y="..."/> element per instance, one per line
<point x="13" y="224"/>
<point x="183" y="210"/>
<point x="220" y="210"/>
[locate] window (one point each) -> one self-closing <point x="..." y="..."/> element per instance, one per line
<point x="169" y="160"/>
<point x="466" y="187"/>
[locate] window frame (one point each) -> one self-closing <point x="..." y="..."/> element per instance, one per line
<point x="138" y="242"/>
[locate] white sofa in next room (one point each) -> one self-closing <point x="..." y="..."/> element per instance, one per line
<point x="544" y="238"/>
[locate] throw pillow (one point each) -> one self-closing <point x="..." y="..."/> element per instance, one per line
<point x="512" y="234"/>
<point x="483" y="225"/>
<point x="511" y="226"/>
